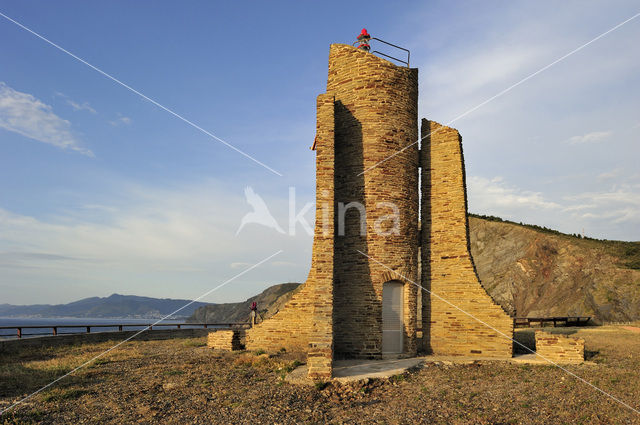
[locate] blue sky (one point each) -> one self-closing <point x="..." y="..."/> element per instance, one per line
<point x="102" y="191"/>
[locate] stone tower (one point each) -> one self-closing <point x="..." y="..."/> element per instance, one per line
<point x="376" y="116"/>
<point x="360" y="298"/>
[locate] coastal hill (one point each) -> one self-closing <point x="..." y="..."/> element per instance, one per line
<point x="114" y="306"/>
<point x="538" y="272"/>
<point x="269" y="302"/>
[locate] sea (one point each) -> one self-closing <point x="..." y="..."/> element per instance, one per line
<point x="81" y="323"/>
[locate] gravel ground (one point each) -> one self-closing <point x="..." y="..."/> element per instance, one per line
<point x="181" y="381"/>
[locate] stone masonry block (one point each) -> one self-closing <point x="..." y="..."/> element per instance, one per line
<point x="559" y="348"/>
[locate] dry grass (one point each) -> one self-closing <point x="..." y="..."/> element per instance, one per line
<point x="32" y="368"/>
<point x="180" y="381"/>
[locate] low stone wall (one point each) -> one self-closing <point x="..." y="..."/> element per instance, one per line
<point x="559" y="348"/>
<point x="226" y="339"/>
<point x="15" y="345"/>
<point x="289" y="328"/>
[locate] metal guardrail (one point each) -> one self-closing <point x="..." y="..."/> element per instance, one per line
<point x="121" y="327"/>
<point x="389" y="56"/>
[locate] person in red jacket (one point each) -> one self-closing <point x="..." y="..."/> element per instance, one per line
<point x="363" y="40"/>
<point x="254" y="313"/>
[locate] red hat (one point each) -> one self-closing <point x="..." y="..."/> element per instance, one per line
<point x="364" y="31"/>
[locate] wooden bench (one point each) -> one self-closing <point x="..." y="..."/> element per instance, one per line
<point x="529" y="322"/>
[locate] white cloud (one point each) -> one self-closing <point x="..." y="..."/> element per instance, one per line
<point x="81" y="106"/>
<point x="621" y="204"/>
<point x="121" y="120"/>
<point x="618" y="215"/>
<point x="99" y="207"/>
<point x="609" y="174"/>
<point x="174" y="242"/>
<point x="84" y="106"/>
<point x="579" y="207"/>
<point x="498" y="197"/>
<point x="603" y="213"/>
<point x="625" y="195"/>
<point x="461" y="81"/>
<point x="22" y="113"/>
<point x="593" y="137"/>
<point x="283" y="264"/>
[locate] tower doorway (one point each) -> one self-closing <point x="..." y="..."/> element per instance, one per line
<point x="392" y="314"/>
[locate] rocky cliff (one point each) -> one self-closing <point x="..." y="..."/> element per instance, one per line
<point x="269" y="302"/>
<point x="533" y="271"/>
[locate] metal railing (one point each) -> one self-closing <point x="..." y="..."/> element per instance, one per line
<point x="55" y="329"/>
<point x="389" y="56"/>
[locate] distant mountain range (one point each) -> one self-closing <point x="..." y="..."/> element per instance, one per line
<point x="114" y="306"/>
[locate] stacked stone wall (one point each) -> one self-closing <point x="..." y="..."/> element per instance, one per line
<point x="376" y="118"/>
<point x="289" y="328"/>
<point x="320" y="356"/>
<point x="229" y="340"/>
<point x="559" y="348"/>
<point x="476" y="325"/>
